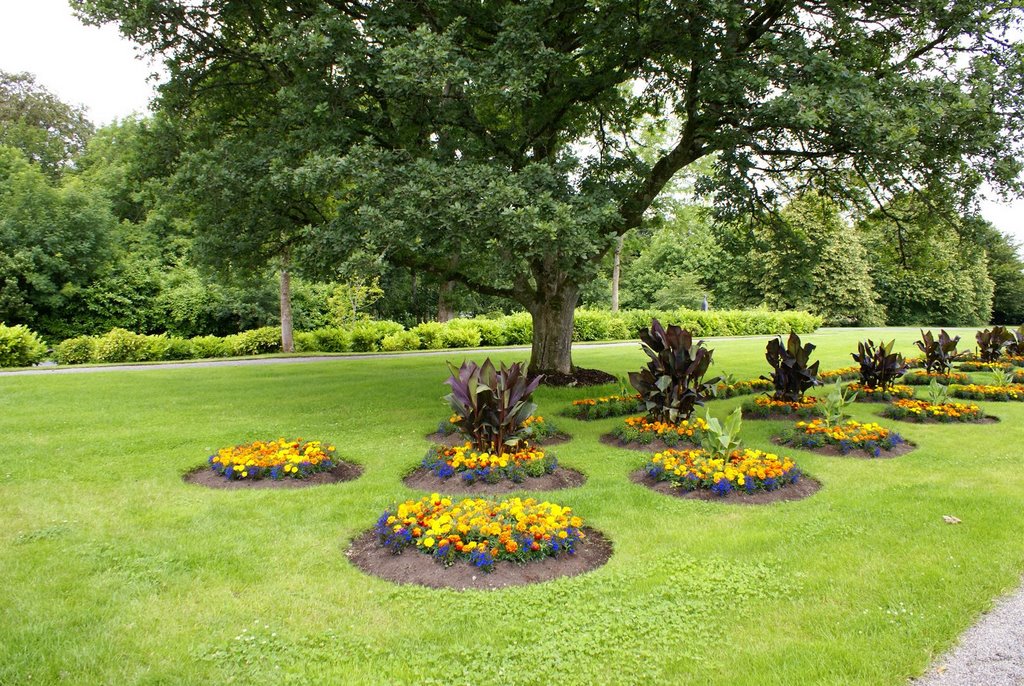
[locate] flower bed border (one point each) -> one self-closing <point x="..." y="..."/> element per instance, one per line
<point x="342" y="471"/>
<point x="833" y="450"/>
<point x="804" y="488"/>
<point x="421" y="479"/>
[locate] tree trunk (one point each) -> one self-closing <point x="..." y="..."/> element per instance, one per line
<point x="444" y="309"/>
<point x="287" y="339"/>
<point x="553" y="310"/>
<point x="616" y="264"/>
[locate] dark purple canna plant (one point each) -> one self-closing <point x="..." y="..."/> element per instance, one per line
<point x="792" y="371"/>
<point x="880" y="367"/>
<point x="492" y="403"/>
<point x="991" y="342"/>
<point x="939" y="353"/>
<point x="673" y="383"/>
<point x="1016" y="346"/>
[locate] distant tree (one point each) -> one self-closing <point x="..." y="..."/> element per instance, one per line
<point x="1005" y="268"/>
<point x="46" y="130"/>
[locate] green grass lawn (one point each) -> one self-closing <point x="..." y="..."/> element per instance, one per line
<point x="114" y="571"/>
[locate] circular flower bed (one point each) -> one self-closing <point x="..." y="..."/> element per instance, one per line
<point x="1012" y="392"/>
<point x="587" y="409"/>
<point x="977" y="366"/>
<point x="923" y="411"/>
<point x="744" y="472"/>
<point x="923" y="378"/>
<point x="879" y="395"/>
<point x="274" y="463"/>
<point x="852" y="435"/>
<point x="765" y="407"/>
<point x="643" y="431"/>
<point x="841" y="374"/>
<point x="1015" y="360"/>
<point x="481" y="532"/>
<point x="472" y="465"/>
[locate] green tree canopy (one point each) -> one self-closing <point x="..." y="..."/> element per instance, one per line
<point x="493" y="143"/>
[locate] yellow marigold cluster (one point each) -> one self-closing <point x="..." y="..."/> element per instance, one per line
<point x="605" y="399"/>
<point x="701" y="469"/>
<point x="923" y="408"/>
<point x="1015" y="392"/>
<point x="535" y="420"/>
<point x="276" y="458"/>
<point x="687" y="427"/>
<point x="899" y="390"/>
<point x="769" y="402"/>
<point x="466" y="457"/>
<point x="852" y="431"/>
<point x="830" y="374"/>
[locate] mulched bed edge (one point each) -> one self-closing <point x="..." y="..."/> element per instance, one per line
<point x="804" y="488"/>
<point x="204" y="476"/>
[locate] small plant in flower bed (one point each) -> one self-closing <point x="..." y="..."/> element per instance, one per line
<point x="841" y="374"/>
<point x="730" y="387"/>
<point x="939" y="353"/>
<point x="278" y="459"/>
<point x="847" y="436"/>
<point x="979" y="366"/>
<point x="913" y="410"/>
<point x="480" y="532"/>
<point x="588" y="409"/>
<point x="490" y="405"/>
<point x="764" y="406"/>
<point x="879" y="394"/>
<point x="923" y="378"/>
<point x="1008" y="392"/>
<point x="792" y="371"/>
<point x="880" y="367"/>
<point x="644" y="430"/>
<point x="992" y="342"/>
<point x="471" y="465"/>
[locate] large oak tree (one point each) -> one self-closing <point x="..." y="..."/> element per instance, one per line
<point x="495" y="142"/>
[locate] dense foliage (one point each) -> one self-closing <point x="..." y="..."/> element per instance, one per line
<point x="880" y="367"/>
<point x="992" y="342"/>
<point x="939" y="354"/>
<point x="673" y="383"/>
<point x="492" y="404"/>
<point x="792" y="371"/>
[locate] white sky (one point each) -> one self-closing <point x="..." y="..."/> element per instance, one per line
<point x="97" y="68"/>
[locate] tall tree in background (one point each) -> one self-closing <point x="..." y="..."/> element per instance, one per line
<point x="492" y="143"/>
<point x="46" y="130"/>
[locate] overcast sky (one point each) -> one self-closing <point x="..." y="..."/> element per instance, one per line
<point x="95" y="67"/>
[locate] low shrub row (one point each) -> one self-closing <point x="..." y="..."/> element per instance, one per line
<point x="20" y="346"/>
<point x="120" y="345"/>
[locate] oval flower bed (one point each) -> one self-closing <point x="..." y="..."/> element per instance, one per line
<point x="977" y="366"/>
<point x="1012" y="392"/>
<point x="452" y="542"/>
<point x="765" y="407"/>
<point x="745" y="476"/>
<point x="845" y="438"/>
<point x="466" y="468"/>
<point x="268" y="463"/>
<point x="922" y="411"/>
<point x="841" y="374"/>
<point x="587" y="409"/>
<point x="645" y="434"/>
<point x="923" y="378"/>
<point x="878" y="394"/>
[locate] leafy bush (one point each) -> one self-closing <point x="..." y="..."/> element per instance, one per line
<point x="939" y="354"/>
<point x="119" y="345"/>
<point x="673" y="383"/>
<point x="460" y="333"/>
<point x="992" y="341"/>
<point x="255" y="341"/>
<point x="518" y="328"/>
<point x="879" y="365"/>
<point x="429" y="334"/>
<point x="403" y="340"/>
<point x="78" y="350"/>
<point x="20" y="346"/>
<point x="591" y="325"/>
<point x="305" y="341"/>
<point x="492" y="404"/>
<point x="177" y="349"/>
<point x="367" y="336"/>
<point x="204" y="347"/>
<point x="792" y="372"/>
<point x="332" y="340"/>
<point x="491" y="331"/>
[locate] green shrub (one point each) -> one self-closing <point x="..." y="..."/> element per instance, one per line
<point x="120" y="345"/>
<point x="403" y="340"/>
<point x="204" y="347"/>
<point x="78" y="350"/>
<point x="305" y="341"/>
<point x="429" y="334"/>
<point x="491" y="331"/>
<point x="460" y="333"/>
<point x="255" y="341"/>
<point x="20" y="346"/>
<point x="178" y="349"/>
<point x="591" y="325"/>
<point x="332" y="339"/>
<point x="367" y="336"/>
<point x="518" y="328"/>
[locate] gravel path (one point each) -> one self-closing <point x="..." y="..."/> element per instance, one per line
<point x="990" y="653"/>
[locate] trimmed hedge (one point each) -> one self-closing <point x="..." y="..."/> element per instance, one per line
<point x="20" y="346"/>
<point x="515" y="329"/>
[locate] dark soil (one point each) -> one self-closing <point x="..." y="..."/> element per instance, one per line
<point x="453" y="439"/>
<point x="204" y="476"/>
<point x="655" y="446"/>
<point x="803" y="488"/>
<point x="833" y="450"/>
<point x="412" y="567"/>
<point x="562" y="477"/>
<point x="580" y="377"/>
